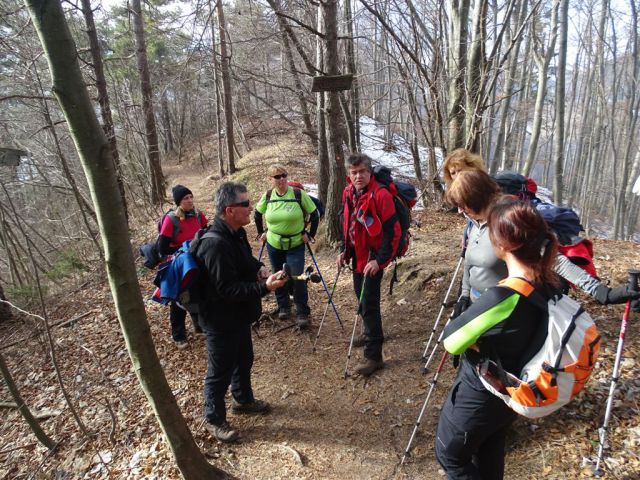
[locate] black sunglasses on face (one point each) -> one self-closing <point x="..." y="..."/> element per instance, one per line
<point x="278" y="177"/>
<point x="246" y="203"/>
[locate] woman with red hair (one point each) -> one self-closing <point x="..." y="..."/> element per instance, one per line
<point x="502" y="324"/>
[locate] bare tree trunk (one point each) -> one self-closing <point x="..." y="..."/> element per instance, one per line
<point x="93" y="150"/>
<point x="496" y="158"/>
<point x="476" y="70"/>
<point x="457" y="65"/>
<point x="543" y="68"/>
<point x="151" y="132"/>
<point x="5" y="311"/>
<point x="335" y="135"/>
<point x="22" y="406"/>
<point x="354" y="139"/>
<point x="103" y="95"/>
<point x="560" y="103"/>
<point x="216" y="82"/>
<point x="632" y="121"/>
<point x="324" y="171"/>
<point x="225" y="59"/>
<point x="302" y="101"/>
<point x="166" y="120"/>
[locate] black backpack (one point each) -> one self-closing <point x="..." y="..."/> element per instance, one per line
<point x="405" y="197"/>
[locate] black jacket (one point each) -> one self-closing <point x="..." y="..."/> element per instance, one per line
<point x="233" y="294"/>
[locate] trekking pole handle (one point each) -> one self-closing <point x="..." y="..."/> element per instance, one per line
<point x="634" y="275"/>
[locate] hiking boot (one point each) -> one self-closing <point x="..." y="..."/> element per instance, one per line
<point x="200" y="334"/>
<point x="181" y="344"/>
<point x="258" y="407"/>
<point x="367" y="366"/>
<point x="302" y="320"/>
<point x="359" y="340"/>
<point x="223" y="432"/>
<point x="284" y="313"/>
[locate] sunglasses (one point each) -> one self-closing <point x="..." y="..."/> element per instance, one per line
<point x="278" y="177"/>
<point x="246" y="203"/>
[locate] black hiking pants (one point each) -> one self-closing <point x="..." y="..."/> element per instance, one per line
<point x="177" y="316"/>
<point x="370" y="312"/>
<point x="230" y="357"/>
<point x="471" y="433"/>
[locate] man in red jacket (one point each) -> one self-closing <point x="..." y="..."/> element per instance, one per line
<point x="371" y="237"/>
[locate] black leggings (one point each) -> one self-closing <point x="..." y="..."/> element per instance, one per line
<point x="471" y="433"/>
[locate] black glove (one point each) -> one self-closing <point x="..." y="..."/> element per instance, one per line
<point x="461" y="305"/>
<point x="606" y="295"/>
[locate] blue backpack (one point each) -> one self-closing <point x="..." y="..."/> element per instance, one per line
<point x="182" y="279"/>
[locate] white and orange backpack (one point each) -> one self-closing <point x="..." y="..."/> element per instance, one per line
<point x="559" y="370"/>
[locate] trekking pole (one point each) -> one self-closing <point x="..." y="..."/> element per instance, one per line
<point x="602" y="433"/>
<point x="424" y="407"/>
<point x="324" y="284"/>
<point x="326" y="309"/>
<point x="261" y="250"/>
<point x="425" y="367"/>
<point x="443" y="306"/>
<point x="355" y="323"/>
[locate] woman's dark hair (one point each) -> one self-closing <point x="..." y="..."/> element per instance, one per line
<point x="517" y="227"/>
<point x="473" y="189"/>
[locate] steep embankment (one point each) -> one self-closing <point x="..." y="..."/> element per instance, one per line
<point x="322" y="426"/>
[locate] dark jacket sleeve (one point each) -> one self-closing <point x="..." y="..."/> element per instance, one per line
<point x="257" y="216"/>
<point x="315" y="220"/>
<point x="225" y="277"/>
<point x="163" y="245"/>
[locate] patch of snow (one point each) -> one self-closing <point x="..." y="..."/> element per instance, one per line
<point x="636" y="186"/>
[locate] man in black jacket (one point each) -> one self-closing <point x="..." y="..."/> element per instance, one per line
<point x="235" y="284"/>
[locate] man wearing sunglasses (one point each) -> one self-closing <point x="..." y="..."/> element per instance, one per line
<point x="234" y="285"/>
<point x="371" y="236"/>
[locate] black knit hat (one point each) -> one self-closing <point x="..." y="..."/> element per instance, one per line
<point x="179" y="192"/>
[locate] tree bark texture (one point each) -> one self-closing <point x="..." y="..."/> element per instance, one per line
<point x="33" y="423"/>
<point x="457" y="65"/>
<point x="95" y="155"/>
<point x="335" y="130"/>
<point x="151" y="132"/>
<point x="225" y="60"/>
<point x="103" y="95"/>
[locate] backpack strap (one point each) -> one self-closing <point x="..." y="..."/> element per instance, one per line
<point x="176" y="224"/>
<point x="525" y="289"/>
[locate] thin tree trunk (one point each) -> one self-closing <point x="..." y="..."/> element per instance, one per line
<point x="306" y="118"/>
<point x="34" y="425"/>
<point x="225" y="60"/>
<point x="560" y="103"/>
<point x="151" y="132"/>
<point x="323" y="167"/>
<point x="103" y="96"/>
<point x="543" y="67"/>
<point x="94" y="153"/>
<point x="216" y="82"/>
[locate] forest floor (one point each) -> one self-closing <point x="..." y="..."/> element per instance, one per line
<point x="322" y="425"/>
